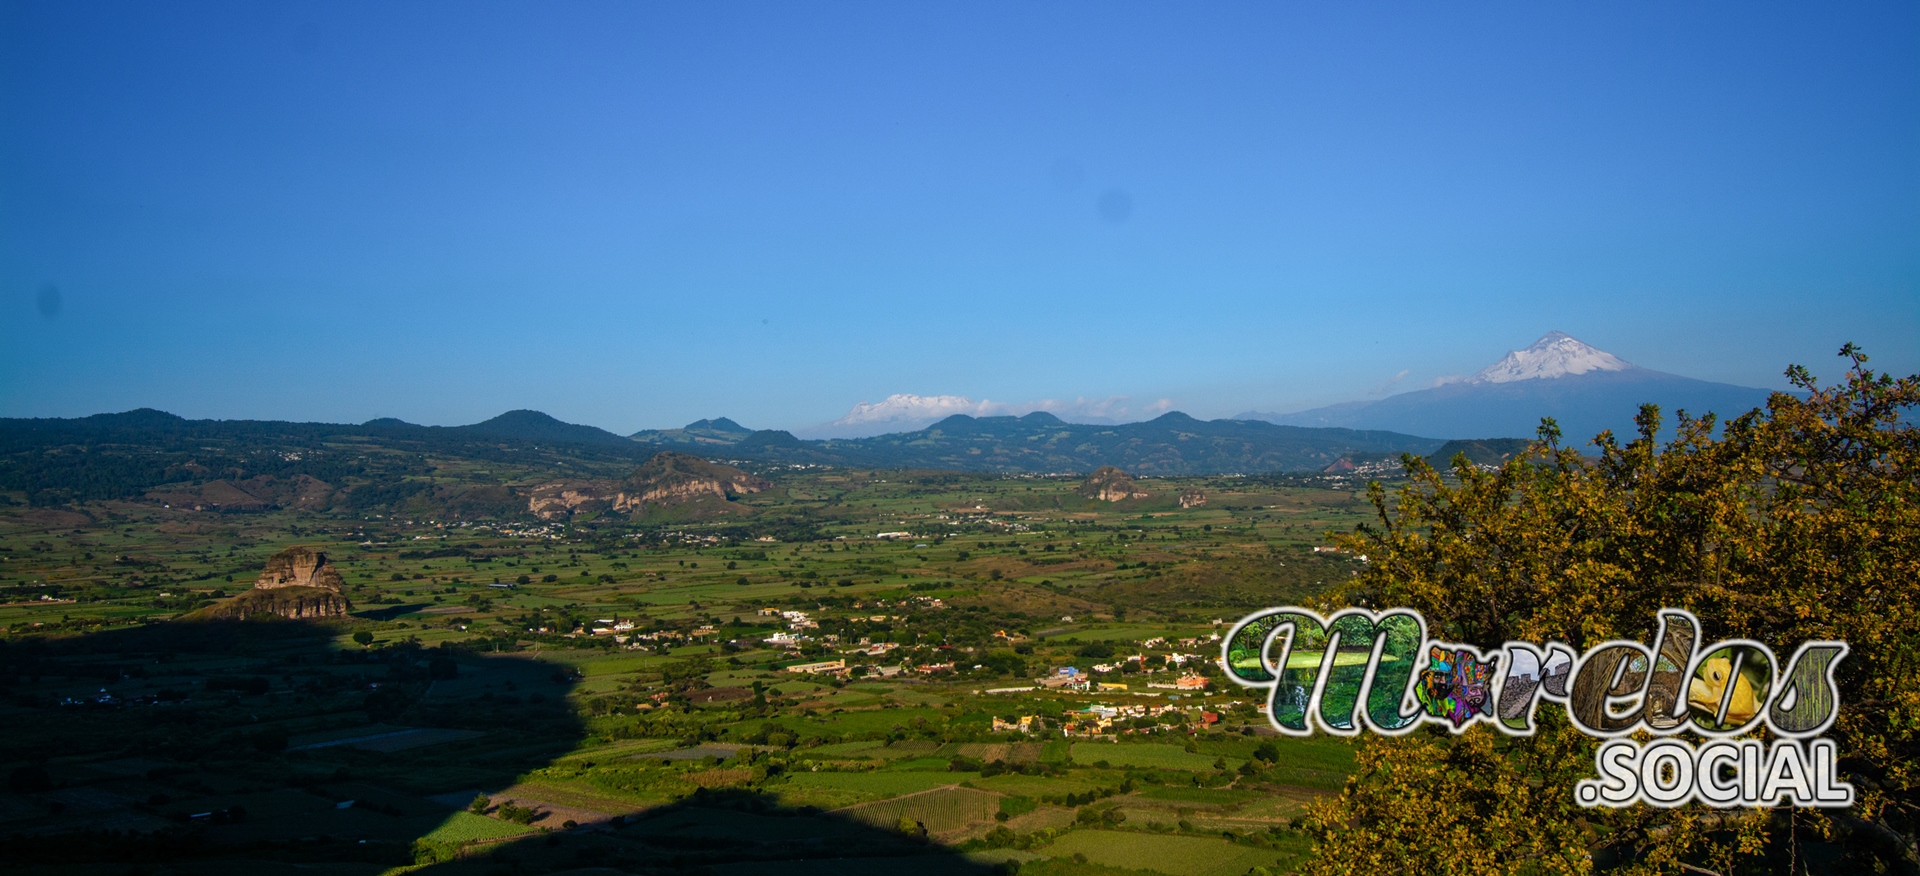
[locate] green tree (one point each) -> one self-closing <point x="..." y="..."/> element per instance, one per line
<point x="1797" y="522"/>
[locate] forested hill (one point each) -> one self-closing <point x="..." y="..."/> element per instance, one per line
<point x="1173" y="444"/>
<point x="263" y="463"/>
<point x="120" y="456"/>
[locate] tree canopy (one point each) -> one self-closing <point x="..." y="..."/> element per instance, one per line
<point x="1787" y="524"/>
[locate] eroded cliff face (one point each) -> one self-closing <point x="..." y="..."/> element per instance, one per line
<point x="1109" y="484"/>
<point x="675" y="491"/>
<point x="299" y="567"/>
<point x="297" y="583"/>
<point x="298" y="603"/>
<point x="666" y="479"/>
<point x="564" y="498"/>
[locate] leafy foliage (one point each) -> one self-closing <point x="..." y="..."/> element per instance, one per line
<point x="1798" y="522"/>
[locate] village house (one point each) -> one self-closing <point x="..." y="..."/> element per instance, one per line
<point x="1024" y="724"/>
<point x="1076" y="682"/>
<point x="1184" y="682"/>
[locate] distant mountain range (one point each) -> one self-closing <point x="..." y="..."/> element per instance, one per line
<point x="906" y="412"/>
<point x="460" y="471"/>
<point x="148" y="426"/>
<point x="1172" y="444"/>
<point x="247" y="464"/>
<point x="1585" y="391"/>
<point x="272" y="463"/>
<point x="719" y="432"/>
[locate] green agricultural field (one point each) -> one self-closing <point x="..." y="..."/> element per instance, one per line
<point x="1171" y="855"/>
<point x="941" y="810"/>
<point x="433" y="652"/>
<point x="1041" y="786"/>
<point x="1152" y="756"/>
<point x="1202" y="796"/>
<point x="1113" y="633"/>
<point x="880" y="784"/>
<point x="1314" y="762"/>
<point x="464" y="827"/>
<point x="847" y="749"/>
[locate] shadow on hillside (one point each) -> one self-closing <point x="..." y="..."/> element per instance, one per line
<point x="723" y="832"/>
<point x="234" y="747"/>
<point x="390" y="612"/>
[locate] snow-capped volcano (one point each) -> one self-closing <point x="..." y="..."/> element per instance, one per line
<point x="1557" y="354"/>
<point x="1583" y="389"/>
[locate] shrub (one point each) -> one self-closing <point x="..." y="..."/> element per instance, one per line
<point x="518" y="814"/>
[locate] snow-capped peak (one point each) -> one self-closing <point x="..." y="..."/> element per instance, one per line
<point x="1557" y="354"/>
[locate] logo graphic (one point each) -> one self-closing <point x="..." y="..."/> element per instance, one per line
<point x="1358" y="667"/>
<point x="1456" y="685"/>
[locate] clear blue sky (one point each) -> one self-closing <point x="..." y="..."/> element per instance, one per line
<point x="634" y="215"/>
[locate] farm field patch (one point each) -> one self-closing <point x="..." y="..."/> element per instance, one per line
<point x="1171" y="855"/>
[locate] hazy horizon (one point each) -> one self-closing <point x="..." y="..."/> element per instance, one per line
<point x="639" y="216"/>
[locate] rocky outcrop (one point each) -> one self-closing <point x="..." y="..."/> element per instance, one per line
<point x="297" y="583"/>
<point x="1109" y="484"/>
<point x="1192" y="499"/>
<point x="299" y="567"/>
<point x="298" y="603"/>
<point x="565" y="498"/>
<point x="672" y="478"/>
<point x="666" y="479"/>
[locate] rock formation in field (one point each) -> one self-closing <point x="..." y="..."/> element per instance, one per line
<point x="565" y="498"/>
<point x="670" y="478"/>
<point x="299" y="567"/>
<point x="1109" y="484"/>
<point x="1192" y="499"/>
<point x="297" y="583"/>
<point x="667" y="479"/>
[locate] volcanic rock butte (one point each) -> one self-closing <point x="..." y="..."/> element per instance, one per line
<point x="561" y="498"/>
<point x="670" y="477"/>
<point x="1109" y="484"/>
<point x="297" y="583"/>
<point x="667" y="478"/>
<point x="299" y="567"/>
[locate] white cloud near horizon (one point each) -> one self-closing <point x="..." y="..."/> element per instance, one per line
<point x="907" y="411"/>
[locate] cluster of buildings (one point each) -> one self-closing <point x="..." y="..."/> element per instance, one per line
<point x="1022" y="724"/>
<point x="1196" y="642"/>
<point x="796" y="620"/>
<point x="623" y="633"/>
<point x="1100" y="719"/>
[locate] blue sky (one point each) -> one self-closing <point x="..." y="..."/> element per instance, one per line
<point x="634" y="215"/>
